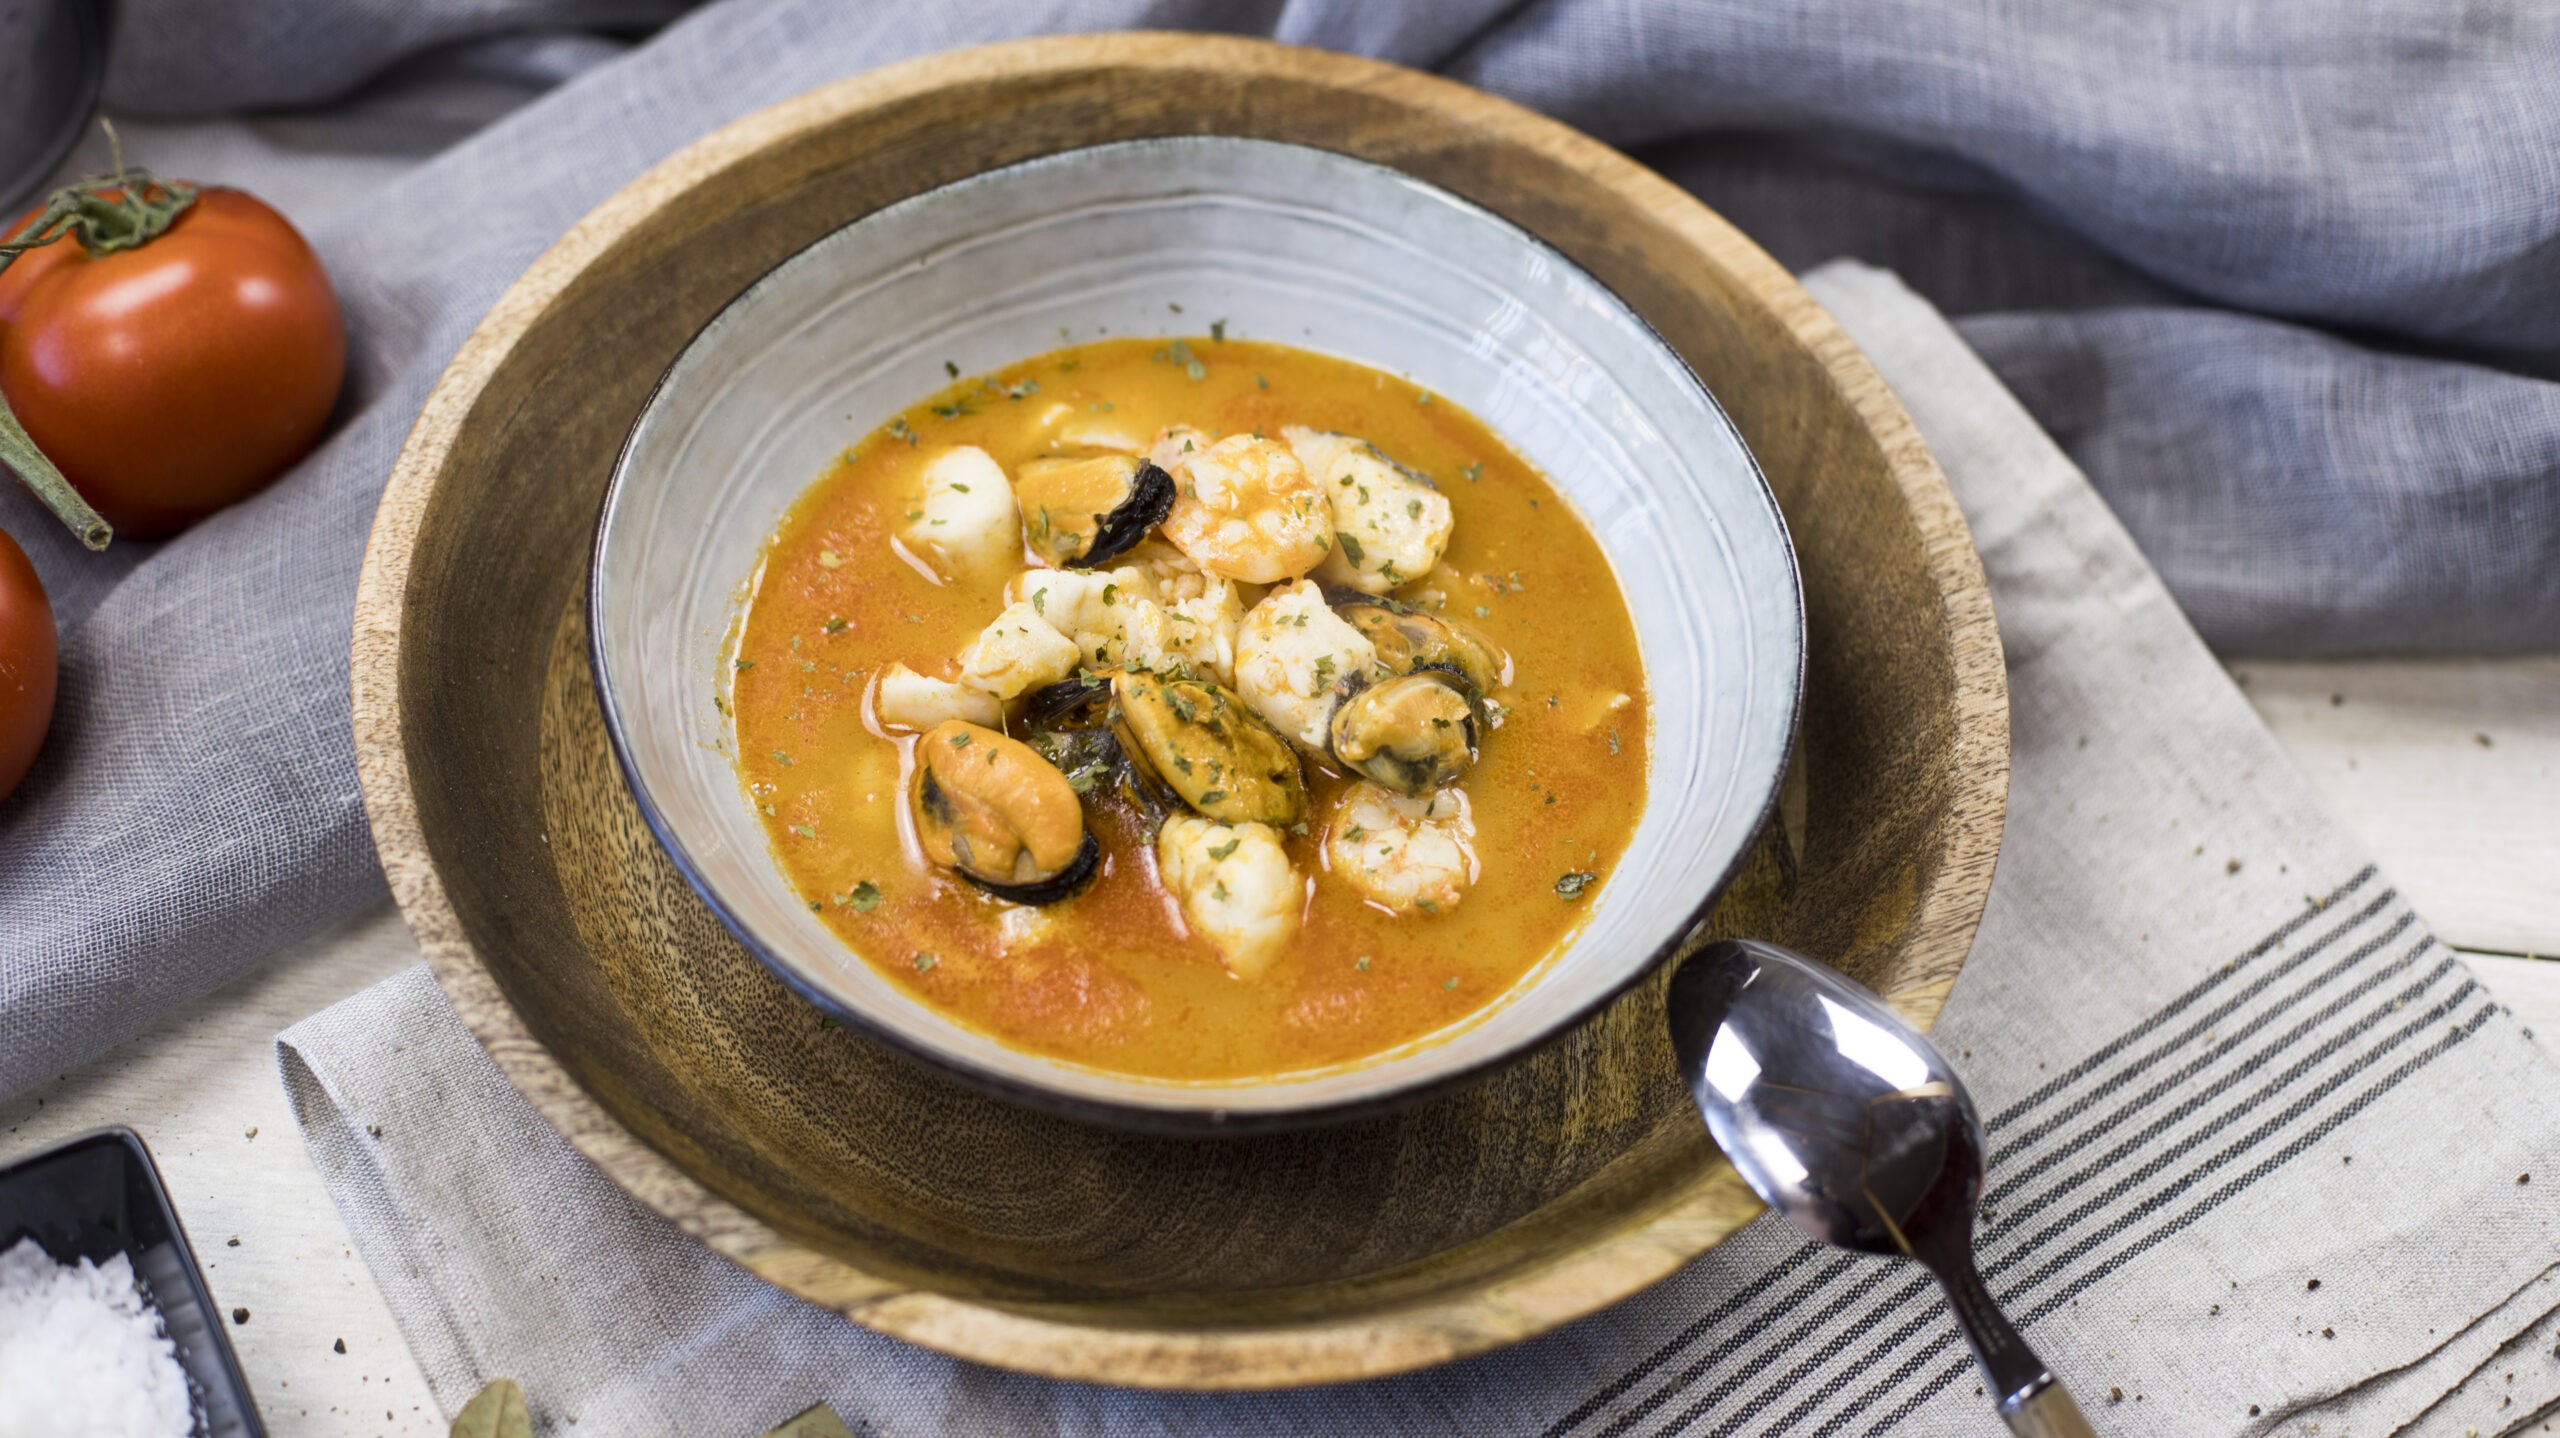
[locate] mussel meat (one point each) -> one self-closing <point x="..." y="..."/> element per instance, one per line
<point x="1414" y="733"/>
<point x="1078" y="513"/>
<point x="1199" y="743"/>
<point x="993" y="810"/>
<point x="1406" y="639"/>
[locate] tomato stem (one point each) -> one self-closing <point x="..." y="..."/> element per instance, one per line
<point x="18" y="451"/>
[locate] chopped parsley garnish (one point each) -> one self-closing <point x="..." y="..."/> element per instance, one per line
<point x="1218" y="331"/>
<point x="1220" y="851"/>
<point x="1573" y="883"/>
<point x="865" y="897"/>
<point x="951" y="369"/>
<point x="925" y="961"/>
<point x="898" y="430"/>
<point x="1473" y="472"/>
<point x="1351" y="547"/>
<point x="959" y="741"/>
<point x="834" y="626"/>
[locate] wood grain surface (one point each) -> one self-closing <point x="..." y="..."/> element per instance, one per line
<point x="634" y="1024"/>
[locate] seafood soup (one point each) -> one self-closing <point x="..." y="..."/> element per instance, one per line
<point x="1194" y="709"/>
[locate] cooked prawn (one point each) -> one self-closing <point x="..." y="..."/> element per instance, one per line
<point x="1404" y="854"/>
<point x="1245" y="508"/>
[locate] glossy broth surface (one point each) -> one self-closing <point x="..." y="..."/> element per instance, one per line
<point x="1113" y="978"/>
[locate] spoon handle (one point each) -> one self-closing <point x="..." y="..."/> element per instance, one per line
<point x="2031" y="1401"/>
<point x="2048" y="1412"/>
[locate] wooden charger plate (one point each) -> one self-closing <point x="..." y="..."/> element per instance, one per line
<point x="638" y="1027"/>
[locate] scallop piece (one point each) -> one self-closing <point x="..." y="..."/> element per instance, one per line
<point x="1201" y="746"/>
<point x="1296" y="659"/>
<point x="1245" y="508"/>
<point x="1406" y="854"/>
<point x="1236" y="887"/>
<point x="1412" y="734"/>
<point x="903" y="699"/>
<point x="965" y="521"/>
<point x="991" y="809"/>
<point x="1019" y="651"/>
<point x="1078" y="513"/>
<point x="1388" y="526"/>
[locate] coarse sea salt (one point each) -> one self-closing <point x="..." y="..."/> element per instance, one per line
<point x="83" y="1353"/>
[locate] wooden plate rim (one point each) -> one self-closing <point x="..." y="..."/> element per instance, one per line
<point x="1613" y="1266"/>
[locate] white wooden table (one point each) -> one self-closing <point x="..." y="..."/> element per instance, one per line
<point x="2450" y="771"/>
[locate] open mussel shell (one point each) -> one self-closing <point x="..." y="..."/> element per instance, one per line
<point x="1079" y="513"/>
<point x="1067" y="883"/>
<point x="1408" y="640"/>
<point x="996" y="812"/>
<point x="1198" y="742"/>
<point x="1069" y="724"/>
<point x="1414" y="733"/>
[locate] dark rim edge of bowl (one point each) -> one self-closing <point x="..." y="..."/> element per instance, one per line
<point x="95" y="21"/>
<point x="1172" y="1121"/>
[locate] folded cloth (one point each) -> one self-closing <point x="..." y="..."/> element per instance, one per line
<point x="2261" y="1146"/>
<point x="2086" y="184"/>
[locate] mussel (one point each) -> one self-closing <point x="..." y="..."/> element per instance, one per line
<point x="1408" y="639"/>
<point x="1197" y="740"/>
<point x="1078" y="513"/>
<point x="1004" y="818"/>
<point x="1414" y="733"/>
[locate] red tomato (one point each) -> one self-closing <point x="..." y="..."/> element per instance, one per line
<point x="171" y="379"/>
<point x="27" y="659"/>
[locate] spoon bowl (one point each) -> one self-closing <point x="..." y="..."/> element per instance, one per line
<point x="1855" y="1128"/>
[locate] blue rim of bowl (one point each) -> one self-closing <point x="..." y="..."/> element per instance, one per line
<point x="1144" y="1118"/>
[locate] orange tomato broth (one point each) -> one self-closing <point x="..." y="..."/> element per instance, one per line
<point x="1119" y="983"/>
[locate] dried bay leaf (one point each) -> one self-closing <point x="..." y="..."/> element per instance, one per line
<point x="496" y="1411"/>
<point x="816" y="1421"/>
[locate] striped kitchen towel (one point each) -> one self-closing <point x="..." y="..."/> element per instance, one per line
<point x="2265" y="1156"/>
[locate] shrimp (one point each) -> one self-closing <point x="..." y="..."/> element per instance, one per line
<point x="1018" y="652"/>
<point x="1236" y="888"/>
<point x="905" y="699"/>
<point x="1389" y="527"/>
<point x="1296" y="658"/>
<point x="1245" y="508"/>
<point x="1405" y="855"/>
<point x="965" y="522"/>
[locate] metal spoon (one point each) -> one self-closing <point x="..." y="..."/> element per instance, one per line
<point x="1843" y="1118"/>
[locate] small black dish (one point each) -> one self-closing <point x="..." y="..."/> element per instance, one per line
<point x="99" y="1195"/>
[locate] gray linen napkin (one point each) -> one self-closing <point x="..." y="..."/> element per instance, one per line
<point x="2085" y="185"/>
<point x="2260" y="1143"/>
